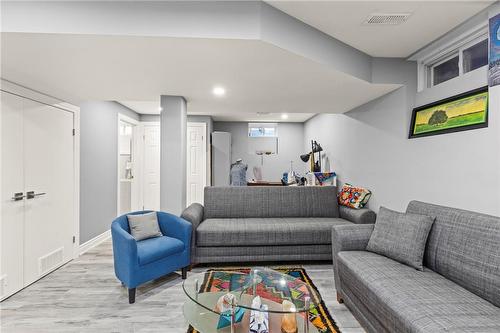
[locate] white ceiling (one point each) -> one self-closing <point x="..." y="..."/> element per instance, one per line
<point x="344" y="21"/>
<point x="145" y="107"/>
<point x="258" y="76"/>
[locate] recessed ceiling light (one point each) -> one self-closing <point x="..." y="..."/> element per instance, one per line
<point x="284" y="116"/>
<point x="219" y="91"/>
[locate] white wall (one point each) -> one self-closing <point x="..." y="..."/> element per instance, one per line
<point x="368" y="146"/>
<point x="99" y="165"/>
<point x="290" y="147"/>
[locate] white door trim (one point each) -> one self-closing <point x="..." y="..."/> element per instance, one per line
<point x="76" y="142"/>
<point x="204" y="154"/>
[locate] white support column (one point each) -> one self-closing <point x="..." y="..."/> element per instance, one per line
<point x="173" y="154"/>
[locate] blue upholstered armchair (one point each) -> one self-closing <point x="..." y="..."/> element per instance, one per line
<point x="137" y="262"/>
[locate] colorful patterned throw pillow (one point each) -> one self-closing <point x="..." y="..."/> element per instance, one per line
<point x="354" y="197"/>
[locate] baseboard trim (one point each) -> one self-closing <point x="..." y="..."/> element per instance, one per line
<point x="95" y="241"/>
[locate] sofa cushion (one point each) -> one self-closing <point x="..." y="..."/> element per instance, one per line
<point x="266" y="231"/>
<point x="270" y="201"/>
<point x="464" y="247"/>
<point x="218" y="254"/>
<point x="406" y="300"/>
<point x="400" y="236"/>
<point x="157" y="248"/>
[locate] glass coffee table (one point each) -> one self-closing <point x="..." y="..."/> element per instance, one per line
<point x="285" y="301"/>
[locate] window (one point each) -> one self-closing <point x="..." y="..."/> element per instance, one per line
<point x="445" y="70"/>
<point x="263" y="130"/>
<point x="263" y="138"/>
<point x="461" y="56"/>
<point x="467" y="58"/>
<point x="475" y="56"/>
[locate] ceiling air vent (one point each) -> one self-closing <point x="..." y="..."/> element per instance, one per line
<point x="387" y="19"/>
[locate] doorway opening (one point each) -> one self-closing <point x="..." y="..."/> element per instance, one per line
<point x="127" y="161"/>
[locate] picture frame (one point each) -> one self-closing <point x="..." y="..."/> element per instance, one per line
<point x="494" y="57"/>
<point x="458" y="113"/>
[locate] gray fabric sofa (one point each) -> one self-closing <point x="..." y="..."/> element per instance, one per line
<point x="264" y="223"/>
<point x="458" y="291"/>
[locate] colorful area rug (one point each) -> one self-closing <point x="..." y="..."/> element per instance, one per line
<point x="320" y="317"/>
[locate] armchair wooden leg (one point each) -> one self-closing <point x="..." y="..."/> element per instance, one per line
<point x="184" y="272"/>
<point x="339" y="298"/>
<point x="131" y="295"/>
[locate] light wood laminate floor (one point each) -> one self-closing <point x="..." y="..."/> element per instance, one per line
<point x="85" y="296"/>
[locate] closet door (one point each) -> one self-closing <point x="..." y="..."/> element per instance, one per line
<point x="196" y="161"/>
<point x="12" y="222"/>
<point x="151" y="167"/>
<point x="49" y="177"/>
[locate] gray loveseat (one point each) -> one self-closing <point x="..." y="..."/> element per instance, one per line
<point x="458" y="291"/>
<point x="239" y="224"/>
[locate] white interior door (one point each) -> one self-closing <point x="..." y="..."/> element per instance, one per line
<point x="196" y="162"/>
<point x="38" y="154"/>
<point x="151" y="167"/>
<point x="49" y="174"/>
<point x="12" y="247"/>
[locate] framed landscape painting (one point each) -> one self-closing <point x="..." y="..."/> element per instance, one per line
<point x="458" y="113"/>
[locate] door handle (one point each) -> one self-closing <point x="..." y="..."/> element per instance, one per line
<point x="32" y="194"/>
<point x="18" y="196"/>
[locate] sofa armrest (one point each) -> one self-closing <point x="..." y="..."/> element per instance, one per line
<point x="348" y="238"/>
<point x="351" y="237"/>
<point x="124" y="252"/>
<point x="358" y="216"/>
<point x="193" y="214"/>
<point x="175" y="227"/>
